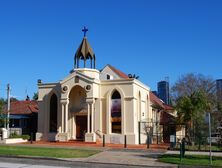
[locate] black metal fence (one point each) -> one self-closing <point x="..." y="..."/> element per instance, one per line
<point x="172" y="134"/>
<point x="158" y="133"/>
<point x="201" y="143"/>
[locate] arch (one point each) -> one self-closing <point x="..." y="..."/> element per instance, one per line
<point x="116" y="95"/>
<point x="53" y="111"/>
<point x="77" y="98"/>
<point x="78" y="112"/>
<point x="109" y="95"/>
<point x="116" y="112"/>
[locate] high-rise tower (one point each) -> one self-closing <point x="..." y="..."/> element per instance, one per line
<point x="163" y="91"/>
<point x="219" y="90"/>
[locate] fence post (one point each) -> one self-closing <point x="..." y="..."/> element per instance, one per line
<point x="103" y="140"/>
<point x="31" y="138"/>
<point x="181" y="151"/>
<point x="139" y="131"/>
<point x="148" y="141"/>
<point x="157" y="139"/>
<point x="125" y="141"/>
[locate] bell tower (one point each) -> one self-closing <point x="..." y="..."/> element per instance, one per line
<point x="85" y="53"/>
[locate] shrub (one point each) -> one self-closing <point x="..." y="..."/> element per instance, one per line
<point x="14" y="135"/>
<point x="26" y="137"/>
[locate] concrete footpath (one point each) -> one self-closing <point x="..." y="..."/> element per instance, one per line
<point x="127" y="157"/>
<point x="131" y="158"/>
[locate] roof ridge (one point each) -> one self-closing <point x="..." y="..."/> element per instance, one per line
<point x="118" y="72"/>
<point x="23" y="107"/>
<point x="85" y="49"/>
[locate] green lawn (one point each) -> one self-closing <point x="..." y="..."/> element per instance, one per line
<point x="196" y="160"/>
<point x="46" y="152"/>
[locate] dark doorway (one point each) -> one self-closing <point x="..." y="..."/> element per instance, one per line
<point x="53" y="114"/>
<point x="81" y="127"/>
<point x="116" y="112"/>
<point x="167" y="131"/>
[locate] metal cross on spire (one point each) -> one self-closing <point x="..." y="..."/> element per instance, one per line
<point x="84" y="30"/>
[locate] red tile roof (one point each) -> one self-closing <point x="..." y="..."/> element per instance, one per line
<point x="155" y="100"/>
<point x="166" y="118"/>
<point x="168" y="107"/>
<point x="118" y="72"/>
<point x="24" y="107"/>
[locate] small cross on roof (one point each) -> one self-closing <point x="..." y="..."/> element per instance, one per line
<point x="84" y="30"/>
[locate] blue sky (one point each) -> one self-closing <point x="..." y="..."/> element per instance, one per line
<point x="152" y="39"/>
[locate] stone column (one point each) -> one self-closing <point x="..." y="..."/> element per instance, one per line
<point x="90" y="136"/>
<point x="92" y="117"/>
<point x="88" y="119"/>
<point x="63" y="135"/>
<point x="73" y="127"/>
<point x="108" y="116"/>
<point x="123" y="119"/>
<point x="62" y="123"/>
<point x="66" y="118"/>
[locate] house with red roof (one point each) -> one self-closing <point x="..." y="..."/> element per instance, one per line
<point x="165" y="119"/>
<point x="23" y="117"/>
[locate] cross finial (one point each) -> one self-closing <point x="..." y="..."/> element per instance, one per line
<point x="84" y="30"/>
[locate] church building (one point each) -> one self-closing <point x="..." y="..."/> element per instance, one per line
<point x="90" y="103"/>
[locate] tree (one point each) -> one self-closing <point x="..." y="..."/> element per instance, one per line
<point x="148" y="128"/>
<point x="13" y="99"/>
<point x="3" y="109"/>
<point x="2" y="115"/>
<point x="35" y="96"/>
<point x="193" y="96"/>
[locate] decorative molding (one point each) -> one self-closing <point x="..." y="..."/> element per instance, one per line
<point x="65" y="89"/>
<point x="64" y="101"/>
<point x="129" y="98"/>
<point x="88" y="88"/>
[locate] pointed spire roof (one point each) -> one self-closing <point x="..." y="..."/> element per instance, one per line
<point x="85" y="51"/>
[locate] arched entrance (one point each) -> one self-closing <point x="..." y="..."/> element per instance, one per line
<point x="78" y="112"/>
<point x="53" y="114"/>
<point x="116" y="120"/>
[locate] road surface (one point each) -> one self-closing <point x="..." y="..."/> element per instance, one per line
<point x="6" y="162"/>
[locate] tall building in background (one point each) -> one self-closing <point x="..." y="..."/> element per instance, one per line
<point x="219" y="90"/>
<point x="155" y="92"/>
<point x="163" y="91"/>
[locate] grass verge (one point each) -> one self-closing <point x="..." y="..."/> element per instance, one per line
<point x="46" y="152"/>
<point x="194" y="160"/>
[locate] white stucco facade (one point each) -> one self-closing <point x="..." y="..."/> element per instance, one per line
<point x="95" y="107"/>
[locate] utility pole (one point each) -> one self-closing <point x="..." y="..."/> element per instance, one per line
<point x="8" y="109"/>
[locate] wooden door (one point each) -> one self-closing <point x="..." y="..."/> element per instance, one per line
<point x="81" y="127"/>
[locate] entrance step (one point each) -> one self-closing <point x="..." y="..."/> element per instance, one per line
<point x="80" y="142"/>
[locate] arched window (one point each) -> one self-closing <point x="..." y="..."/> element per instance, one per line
<point x="53" y="114"/>
<point x="116" y="112"/>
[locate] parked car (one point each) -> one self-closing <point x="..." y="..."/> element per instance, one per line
<point x="215" y="138"/>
